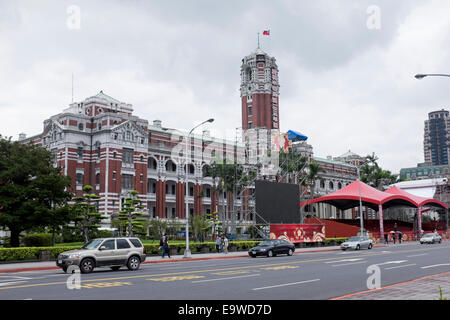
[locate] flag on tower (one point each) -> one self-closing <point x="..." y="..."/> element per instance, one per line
<point x="266" y="32"/>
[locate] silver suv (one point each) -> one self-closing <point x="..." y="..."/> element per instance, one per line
<point x="108" y="252"/>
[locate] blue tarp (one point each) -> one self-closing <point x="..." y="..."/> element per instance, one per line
<point x="296" y="136"/>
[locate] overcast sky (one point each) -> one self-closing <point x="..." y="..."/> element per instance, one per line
<point x="345" y="83"/>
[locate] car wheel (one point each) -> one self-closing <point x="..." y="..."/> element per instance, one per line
<point x="358" y="247"/>
<point x="440" y="241"/>
<point x="343" y="249"/>
<point x="370" y="246"/>
<point x="290" y="253"/>
<point x="87" y="265"/>
<point x="115" y="268"/>
<point x="253" y="255"/>
<point x="64" y="269"/>
<point x="270" y="253"/>
<point x="133" y="263"/>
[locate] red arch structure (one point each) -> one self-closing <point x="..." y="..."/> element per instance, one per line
<point x="348" y="197"/>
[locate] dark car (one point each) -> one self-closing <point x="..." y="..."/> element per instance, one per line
<point x="271" y="248"/>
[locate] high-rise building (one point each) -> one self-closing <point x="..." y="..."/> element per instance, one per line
<point x="436" y="138"/>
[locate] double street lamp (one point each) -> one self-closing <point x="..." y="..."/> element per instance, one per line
<point x="187" y="252"/>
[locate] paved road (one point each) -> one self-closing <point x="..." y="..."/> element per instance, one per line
<point x="318" y="275"/>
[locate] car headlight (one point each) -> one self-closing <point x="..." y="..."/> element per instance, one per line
<point x="263" y="249"/>
<point x="74" y="256"/>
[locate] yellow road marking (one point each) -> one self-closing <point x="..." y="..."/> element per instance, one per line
<point x="105" y="284"/>
<point x="280" y="268"/>
<point x="215" y="270"/>
<point x="226" y="273"/>
<point x="166" y="279"/>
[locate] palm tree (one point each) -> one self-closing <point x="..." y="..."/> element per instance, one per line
<point x="313" y="174"/>
<point x="291" y="164"/>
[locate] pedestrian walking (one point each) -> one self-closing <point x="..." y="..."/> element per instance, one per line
<point x="225" y="244"/>
<point x="164" y="244"/>
<point x="218" y="240"/>
<point x="400" y="235"/>
<point x="393" y="237"/>
<point x="386" y="238"/>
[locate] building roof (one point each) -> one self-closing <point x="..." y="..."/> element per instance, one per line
<point x="349" y="154"/>
<point x="105" y="96"/>
<point x="348" y="197"/>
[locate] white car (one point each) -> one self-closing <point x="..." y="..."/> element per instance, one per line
<point x="430" y="238"/>
<point x="357" y="243"/>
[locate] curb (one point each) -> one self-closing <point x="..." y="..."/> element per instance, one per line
<point x="171" y="260"/>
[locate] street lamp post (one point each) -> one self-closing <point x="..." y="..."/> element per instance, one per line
<point x="187" y="252"/>
<point x="360" y="203"/>
<point x="423" y="75"/>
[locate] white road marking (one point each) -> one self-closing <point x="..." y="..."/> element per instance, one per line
<point x="418" y="255"/>
<point x="5" y="284"/>
<point x="346" y="264"/>
<point x="390" y="262"/>
<point x="436" y="265"/>
<point x="345" y="260"/>
<point x="218" y="279"/>
<point x="286" y="284"/>
<point x="15" y="277"/>
<point x="406" y="265"/>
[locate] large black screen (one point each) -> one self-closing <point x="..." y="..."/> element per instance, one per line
<point x="277" y="202"/>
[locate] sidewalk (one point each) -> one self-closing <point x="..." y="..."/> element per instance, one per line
<point x="51" y="265"/>
<point x="426" y="288"/>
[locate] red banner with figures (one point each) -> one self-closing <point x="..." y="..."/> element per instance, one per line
<point x="296" y="233"/>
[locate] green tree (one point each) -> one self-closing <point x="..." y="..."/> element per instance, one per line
<point x="85" y="215"/>
<point x="199" y="226"/>
<point x="292" y="165"/>
<point x="130" y="220"/>
<point x="31" y="189"/>
<point x="157" y="228"/>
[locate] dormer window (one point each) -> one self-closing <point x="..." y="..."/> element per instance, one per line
<point x="80" y="126"/>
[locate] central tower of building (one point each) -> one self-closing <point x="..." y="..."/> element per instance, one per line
<point x="259" y="91"/>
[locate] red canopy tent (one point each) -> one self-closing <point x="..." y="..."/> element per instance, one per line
<point x="348" y="197"/>
<point x="419" y="202"/>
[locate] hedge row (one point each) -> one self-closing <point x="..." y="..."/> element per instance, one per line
<point x="30" y="253"/>
<point x="33" y="253"/>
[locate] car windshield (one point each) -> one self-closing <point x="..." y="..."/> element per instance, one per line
<point x="265" y="243"/>
<point x="93" y="244"/>
<point x="354" y="239"/>
<point x="429" y="235"/>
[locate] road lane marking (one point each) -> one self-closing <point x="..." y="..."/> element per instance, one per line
<point x="390" y="262"/>
<point x="280" y="268"/>
<point x="406" y="265"/>
<point x="436" y="265"/>
<point x="345" y="260"/>
<point x="227" y="278"/>
<point x="105" y="284"/>
<point x="10" y="283"/>
<point x="286" y="284"/>
<point x="227" y="273"/>
<point x="347" y="264"/>
<point x="167" y="279"/>
<point x="418" y="255"/>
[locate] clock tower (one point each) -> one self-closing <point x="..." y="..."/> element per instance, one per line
<point x="259" y="91"/>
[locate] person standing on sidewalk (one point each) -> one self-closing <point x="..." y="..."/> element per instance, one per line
<point x="225" y="244"/>
<point x="386" y="238"/>
<point x="218" y="240"/>
<point x="393" y="237"/>
<point x="400" y="237"/>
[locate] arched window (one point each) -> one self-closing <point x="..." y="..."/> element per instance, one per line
<point x="322" y="184"/>
<point x="331" y="185"/>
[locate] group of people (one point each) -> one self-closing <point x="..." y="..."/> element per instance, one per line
<point x="222" y="244"/>
<point x="394" y="236"/>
